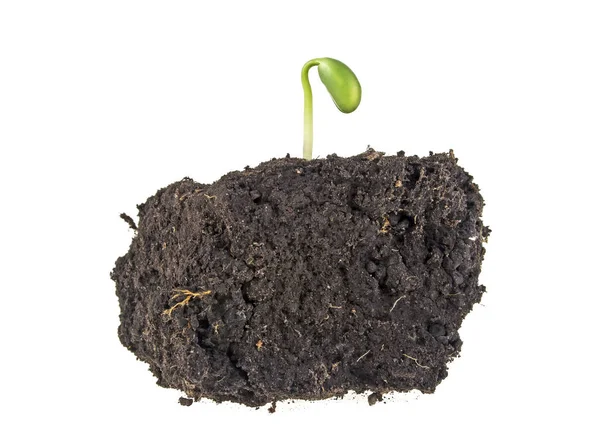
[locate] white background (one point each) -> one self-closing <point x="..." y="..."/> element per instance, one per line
<point x="102" y="103"/>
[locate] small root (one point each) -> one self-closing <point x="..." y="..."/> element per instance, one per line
<point x="416" y="361"/>
<point x="368" y="351"/>
<point x="188" y="295"/>
<point x="386" y="227"/>
<point x="396" y="302"/>
<point x="371" y="154"/>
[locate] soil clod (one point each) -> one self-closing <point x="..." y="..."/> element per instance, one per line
<point x="129" y="221"/>
<point x="183" y="401"/>
<point x="305" y="279"/>
<point x="374" y="398"/>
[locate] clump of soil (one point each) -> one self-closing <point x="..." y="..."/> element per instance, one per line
<point x="305" y="279"/>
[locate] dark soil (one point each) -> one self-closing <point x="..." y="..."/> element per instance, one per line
<point x="305" y="279"/>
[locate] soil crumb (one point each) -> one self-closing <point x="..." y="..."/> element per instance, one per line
<point x="129" y="221"/>
<point x="374" y="398"/>
<point x="305" y="279"/>
<point x="183" y="401"/>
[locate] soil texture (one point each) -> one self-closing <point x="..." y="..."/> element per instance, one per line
<point x="305" y="279"/>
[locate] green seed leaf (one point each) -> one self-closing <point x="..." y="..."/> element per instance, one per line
<point x="341" y="82"/>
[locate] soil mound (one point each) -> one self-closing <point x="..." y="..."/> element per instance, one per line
<point x="305" y="279"/>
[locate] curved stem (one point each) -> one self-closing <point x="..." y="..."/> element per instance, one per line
<point x="308" y="112"/>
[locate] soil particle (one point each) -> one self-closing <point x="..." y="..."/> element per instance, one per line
<point x="129" y="221"/>
<point x="183" y="401"/>
<point x="374" y="398"/>
<point x="305" y="279"/>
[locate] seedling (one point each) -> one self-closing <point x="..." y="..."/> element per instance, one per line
<point x="343" y="86"/>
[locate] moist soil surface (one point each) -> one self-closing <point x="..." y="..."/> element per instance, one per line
<point x="305" y="279"/>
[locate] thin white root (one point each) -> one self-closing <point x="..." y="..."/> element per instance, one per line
<point x="396" y="302"/>
<point x="416" y="361"/>
<point x="363" y="356"/>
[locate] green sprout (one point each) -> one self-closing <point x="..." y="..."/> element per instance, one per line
<point x="343" y="86"/>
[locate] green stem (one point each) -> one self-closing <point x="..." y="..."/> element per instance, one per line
<point x="308" y="110"/>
